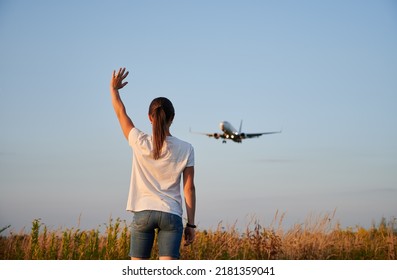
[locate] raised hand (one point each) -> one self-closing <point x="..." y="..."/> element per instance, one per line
<point x="116" y="82"/>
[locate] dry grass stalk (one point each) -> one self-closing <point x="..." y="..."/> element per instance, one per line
<point x="317" y="238"/>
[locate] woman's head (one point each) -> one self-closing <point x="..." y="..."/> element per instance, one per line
<point x="161" y="114"/>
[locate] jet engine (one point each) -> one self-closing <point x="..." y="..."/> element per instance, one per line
<point x="216" y="135"/>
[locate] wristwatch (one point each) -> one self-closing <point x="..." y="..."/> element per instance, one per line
<point x="190" y="225"/>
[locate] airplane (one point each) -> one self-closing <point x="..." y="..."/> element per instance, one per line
<point x="230" y="133"/>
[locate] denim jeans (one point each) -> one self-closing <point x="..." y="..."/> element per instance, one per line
<point x="170" y="230"/>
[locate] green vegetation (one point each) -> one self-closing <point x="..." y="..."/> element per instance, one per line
<point x="318" y="240"/>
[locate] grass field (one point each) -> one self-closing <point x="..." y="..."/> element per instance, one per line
<point x="316" y="239"/>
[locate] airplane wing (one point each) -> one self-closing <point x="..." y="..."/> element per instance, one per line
<point x="252" y="135"/>
<point x="215" y="135"/>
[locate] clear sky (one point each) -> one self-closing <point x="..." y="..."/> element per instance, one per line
<point x="323" y="71"/>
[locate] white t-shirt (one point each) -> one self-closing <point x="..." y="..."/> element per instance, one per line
<point x="155" y="184"/>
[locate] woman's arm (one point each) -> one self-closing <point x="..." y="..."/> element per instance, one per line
<point x="190" y="199"/>
<point x="117" y="83"/>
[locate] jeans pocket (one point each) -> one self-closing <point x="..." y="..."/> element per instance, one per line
<point x="171" y="222"/>
<point x="141" y="219"/>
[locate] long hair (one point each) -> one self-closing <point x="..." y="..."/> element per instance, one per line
<point x="162" y="113"/>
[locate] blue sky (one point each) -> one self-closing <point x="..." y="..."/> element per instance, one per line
<point x="323" y="71"/>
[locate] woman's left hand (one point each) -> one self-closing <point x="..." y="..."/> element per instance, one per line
<point x="190" y="234"/>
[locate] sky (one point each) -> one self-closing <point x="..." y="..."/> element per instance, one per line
<point x="322" y="71"/>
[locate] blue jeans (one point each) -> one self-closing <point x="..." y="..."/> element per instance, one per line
<point x="170" y="230"/>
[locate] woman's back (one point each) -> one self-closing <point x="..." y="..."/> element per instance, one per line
<point x="155" y="183"/>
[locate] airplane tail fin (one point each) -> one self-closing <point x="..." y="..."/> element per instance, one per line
<point x="241" y="125"/>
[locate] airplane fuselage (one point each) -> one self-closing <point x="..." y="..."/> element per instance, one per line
<point x="227" y="128"/>
<point x="230" y="132"/>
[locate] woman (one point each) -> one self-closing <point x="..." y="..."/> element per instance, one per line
<point x="157" y="165"/>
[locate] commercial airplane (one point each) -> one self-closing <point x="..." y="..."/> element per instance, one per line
<point x="229" y="132"/>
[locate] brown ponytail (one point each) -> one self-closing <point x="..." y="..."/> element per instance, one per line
<point x="162" y="113"/>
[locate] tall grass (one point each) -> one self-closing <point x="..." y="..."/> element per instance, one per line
<point x="317" y="238"/>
